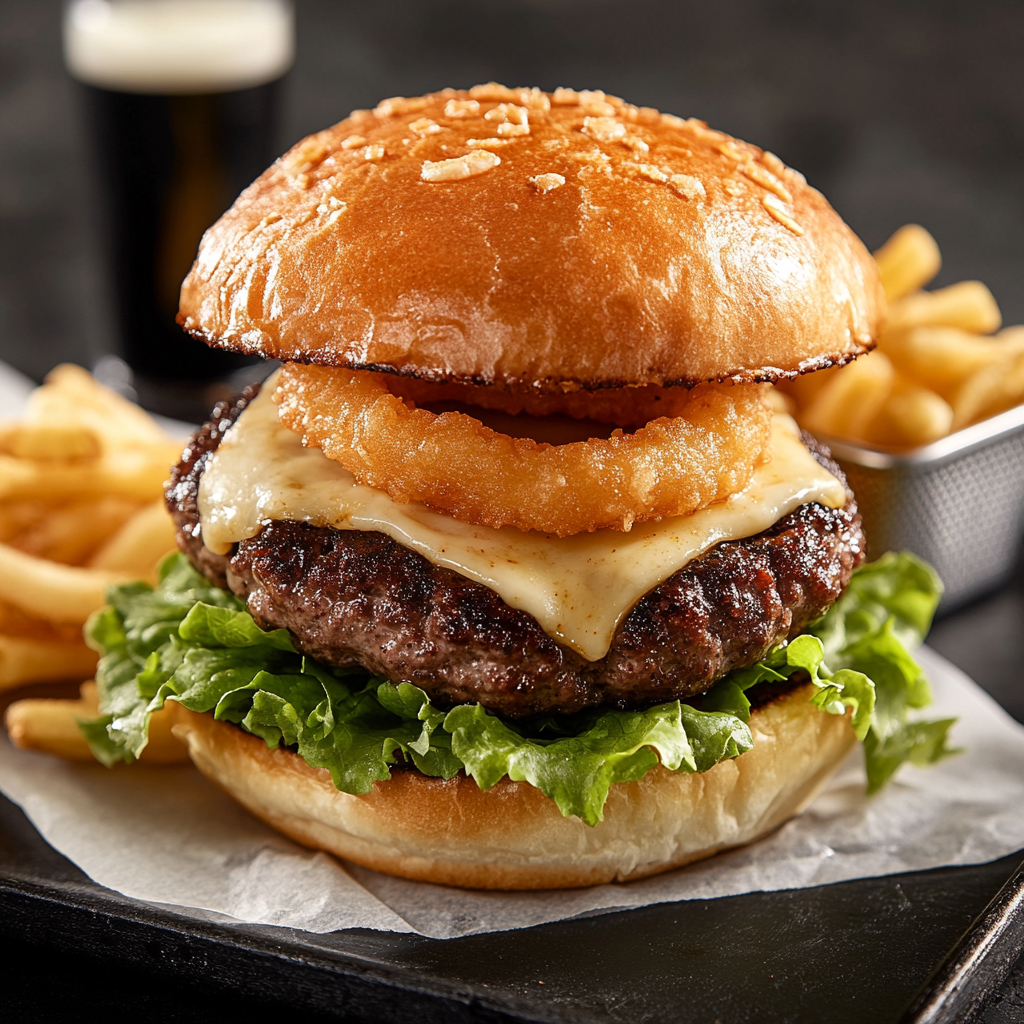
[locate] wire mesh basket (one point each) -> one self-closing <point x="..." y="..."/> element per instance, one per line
<point x="958" y="503"/>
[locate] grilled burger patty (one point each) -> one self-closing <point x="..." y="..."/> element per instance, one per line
<point x="350" y="597"/>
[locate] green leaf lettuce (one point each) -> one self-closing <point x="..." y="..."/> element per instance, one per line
<point x="188" y="641"/>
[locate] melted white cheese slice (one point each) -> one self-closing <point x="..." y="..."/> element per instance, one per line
<point x="578" y="588"/>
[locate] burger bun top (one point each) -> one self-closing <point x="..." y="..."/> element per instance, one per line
<point x="538" y="242"/>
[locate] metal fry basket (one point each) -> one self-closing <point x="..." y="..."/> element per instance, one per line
<point x="958" y="503"/>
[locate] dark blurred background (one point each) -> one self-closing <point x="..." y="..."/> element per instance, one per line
<point x="897" y="111"/>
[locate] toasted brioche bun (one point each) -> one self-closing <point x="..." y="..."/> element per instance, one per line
<point x="514" y="837"/>
<point x="610" y="246"/>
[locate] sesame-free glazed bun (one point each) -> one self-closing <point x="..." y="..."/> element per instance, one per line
<point x="514" y="837"/>
<point x="541" y="242"/>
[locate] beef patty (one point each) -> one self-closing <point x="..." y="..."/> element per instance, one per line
<point x="356" y="598"/>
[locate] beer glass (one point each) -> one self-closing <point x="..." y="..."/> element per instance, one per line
<point x="181" y="98"/>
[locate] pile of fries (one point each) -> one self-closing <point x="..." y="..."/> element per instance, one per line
<point x="938" y="367"/>
<point x="81" y="485"/>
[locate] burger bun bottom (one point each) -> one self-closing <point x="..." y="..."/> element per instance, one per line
<point x="450" y="832"/>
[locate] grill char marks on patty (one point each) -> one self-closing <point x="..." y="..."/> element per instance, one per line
<point x="350" y="597"/>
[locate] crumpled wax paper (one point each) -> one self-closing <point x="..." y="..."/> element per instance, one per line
<point x="168" y="836"/>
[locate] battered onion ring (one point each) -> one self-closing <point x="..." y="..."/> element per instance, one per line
<point x="454" y="464"/>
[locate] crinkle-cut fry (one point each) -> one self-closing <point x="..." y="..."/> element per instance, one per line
<point x="72" y="533"/>
<point x="912" y="416"/>
<point x="49" y="590"/>
<point x="51" y="726"/>
<point x="23" y="661"/>
<point x="72" y="395"/>
<point x="942" y="358"/>
<point x="140" y="543"/>
<point x="137" y="473"/>
<point x="908" y="261"/>
<point x="991" y="390"/>
<point x="967" y="304"/>
<point x="50" y="442"/>
<point x="848" y="405"/>
<point x="454" y="464"/>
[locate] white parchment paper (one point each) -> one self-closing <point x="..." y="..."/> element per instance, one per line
<point x="168" y="836"/>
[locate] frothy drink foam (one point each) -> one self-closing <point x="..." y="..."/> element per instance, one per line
<point x="178" y="46"/>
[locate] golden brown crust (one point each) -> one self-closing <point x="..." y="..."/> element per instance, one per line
<point x="670" y="253"/>
<point x="512" y="836"/>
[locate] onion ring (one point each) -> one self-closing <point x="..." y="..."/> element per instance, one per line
<point x="453" y="464"/>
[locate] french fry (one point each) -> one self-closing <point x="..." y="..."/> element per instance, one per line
<point x="79" y="480"/>
<point x="140" y="543"/>
<point x="65" y="442"/>
<point x="51" y="726"/>
<point x="781" y="402"/>
<point x="804" y="389"/>
<point x="49" y="590"/>
<point x="1013" y="336"/>
<point x="18" y="516"/>
<point x="134" y="473"/>
<point x="163" y="747"/>
<point x="74" y="532"/>
<point x="938" y="366"/>
<point x="908" y="261"/>
<point x="911" y="416"/>
<point x="942" y="358"/>
<point x="23" y="660"/>
<point x="968" y="305"/>
<point x="848" y="404"/>
<point x="15" y="622"/>
<point x="991" y="390"/>
<point x="71" y="394"/>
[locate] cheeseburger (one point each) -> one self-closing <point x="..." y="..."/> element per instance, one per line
<point x="514" y="574"/>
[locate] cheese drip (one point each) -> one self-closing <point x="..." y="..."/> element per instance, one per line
<point x="578" y="588"/>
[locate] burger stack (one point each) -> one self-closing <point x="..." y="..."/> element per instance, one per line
<point x="514" y="575"/>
